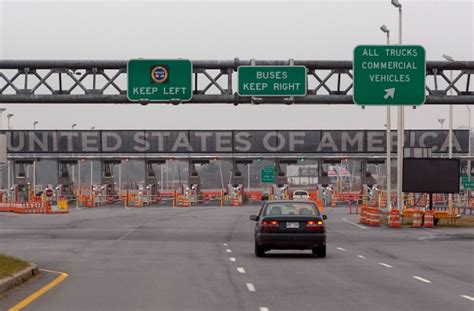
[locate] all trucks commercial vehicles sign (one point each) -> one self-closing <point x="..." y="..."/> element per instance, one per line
<point x="389" y="75"/>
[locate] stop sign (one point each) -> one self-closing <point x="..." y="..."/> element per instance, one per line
<point x="49" y="193"/>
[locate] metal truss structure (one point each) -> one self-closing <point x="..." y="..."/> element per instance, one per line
<point x="329" y="82"/>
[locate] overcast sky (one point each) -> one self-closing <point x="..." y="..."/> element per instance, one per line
<point x="205" y="30"/>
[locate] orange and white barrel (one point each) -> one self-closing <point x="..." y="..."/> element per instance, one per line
<point x="429" y="219"/>
<point x="417" y="219"/>
<point x="394" y="218"/>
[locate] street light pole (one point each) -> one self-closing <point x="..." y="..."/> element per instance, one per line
<point x="73" y="167"/>
<point x="1" y="128"/>
<point x="388" y="135"/>
<point x="92" y="173"/>
<point x="34" y="125"/>
<point x="469" y="143"/>
<point x="450" y="137"/>
<point x="401" y="121"/>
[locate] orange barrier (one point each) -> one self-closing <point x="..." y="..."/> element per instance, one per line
<point x="89" y="203"/>
<point x="373" y="216"/>
<point x="333" y="201"/>
<point x="363" y="215"/>
<point x="394" y="218"/>
<point x="181" y="201"/>
<point x="408" y="212"/>
<point x="368" y="216"/>
<point x="319" y="204"/>
<point x="254" y="195"/>
<point x="234" y="201"/>
<point x="346" y="196"/>
<point x="383" y="201"/>
<point x="429" y="219"/>
<point x="34" y="207"/>
<point x="417" y="219"/>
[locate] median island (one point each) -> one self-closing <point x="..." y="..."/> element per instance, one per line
<point x="14" y="271"/>
<point x="10" y="265"/>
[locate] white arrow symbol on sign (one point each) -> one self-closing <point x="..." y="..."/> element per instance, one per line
<point x="389" y="93"/>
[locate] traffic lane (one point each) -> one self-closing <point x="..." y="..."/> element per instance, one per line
<point x="117" y="217"/>
<point x="137" y="275"/>
<point x="295" y="280"/>
<point x="131" y="274"/>
<point x="200" y="224"/>
<point x="455" y="280"/>
<point x="13" y="296"/>
<point x="449" y="260"/>
<point x="445" y="250"/>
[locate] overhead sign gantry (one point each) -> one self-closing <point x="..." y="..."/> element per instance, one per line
<point x="213" y="82"/>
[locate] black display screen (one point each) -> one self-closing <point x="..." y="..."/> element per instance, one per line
<point x="431" y="175"/>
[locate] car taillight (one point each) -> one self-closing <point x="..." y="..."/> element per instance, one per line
<point x="269" y="225"/>
<point x="315" y="225"/>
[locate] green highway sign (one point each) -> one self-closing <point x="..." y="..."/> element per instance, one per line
<point x="272" y="80"/>
<point x="159" y="80"/>
<point x="389" y="75"/>
<point x="466" y="182"/>
<point x="268" y="174"/>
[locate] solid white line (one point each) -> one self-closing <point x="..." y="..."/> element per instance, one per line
<point x="264" y="309"/>
<point x="467" y="297"/>
<point x="228" y="250"/>
<point x="421" y="279"/>
<point x="341" y="249"/>
<point x="232" y="259"/>
<point x="353" y="223"/>
<point x="361" y="257"/>
<point x="241" y="270"/>
<point x="385" y="265"/>
<point x="250" y="287"/>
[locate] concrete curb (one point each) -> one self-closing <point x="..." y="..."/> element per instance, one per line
<point x="18" y="278"/>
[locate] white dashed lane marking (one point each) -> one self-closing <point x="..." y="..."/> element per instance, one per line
<point x="385" y="265"/>
<point x="250" y="287"/>
<point x="467" y="297"/>
<point x="341" y="249"/>
<point x="241" y="270"/>
<point x="264" y="309"/>
<point x="355" y="224"/>
<point x="419" y="278"/>
<point x="361" y="257"/>
<point x="228" y="250"/>
<point x="232" y="259"/>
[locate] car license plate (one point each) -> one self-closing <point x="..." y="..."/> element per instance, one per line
<point x="292" y="225"/>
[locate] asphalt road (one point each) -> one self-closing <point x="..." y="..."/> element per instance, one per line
<point x="201" y="258"/>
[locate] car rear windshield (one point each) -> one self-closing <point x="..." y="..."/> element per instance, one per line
<point x="301" y="193"/>
<point x="291" y="209"/>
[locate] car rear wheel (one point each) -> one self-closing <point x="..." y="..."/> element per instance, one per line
<point x="259" y="251"/>
<point x="319" y="251"/>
